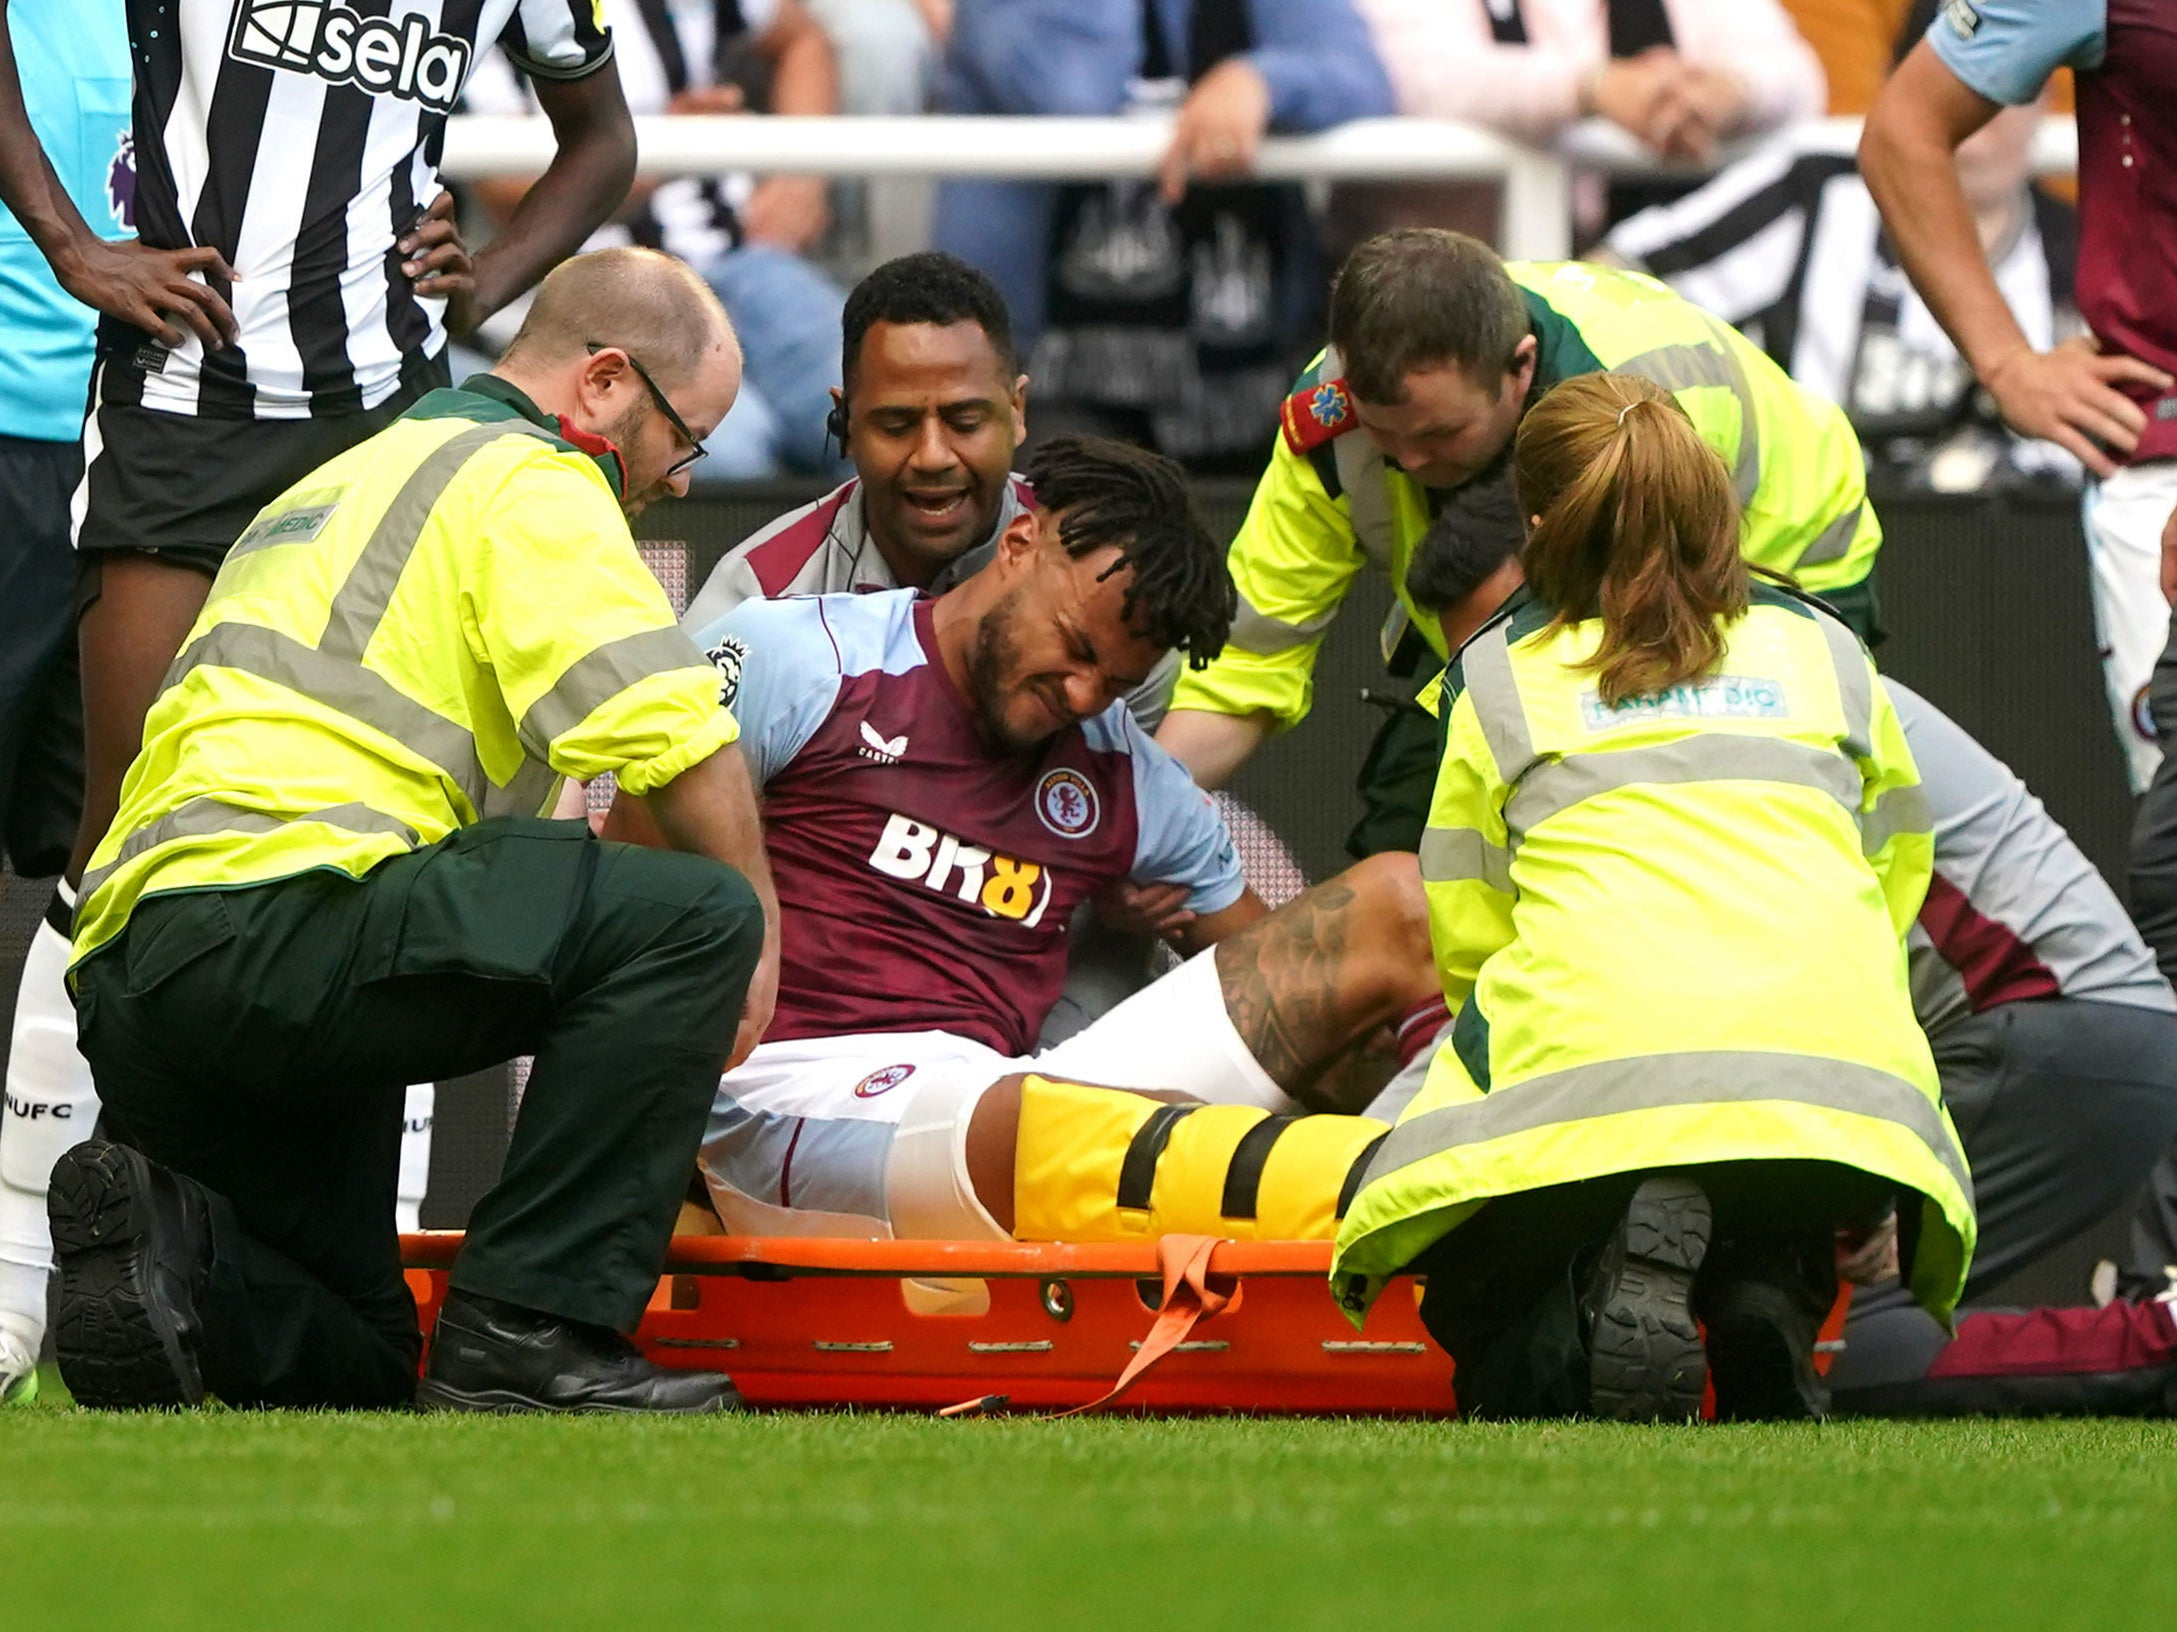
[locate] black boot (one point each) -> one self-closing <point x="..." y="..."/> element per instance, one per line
<point x="1645" y="1362"/>
<point x="492" y="1356"/>
<point x="1763" y="1303"/>
<point x="132" y="1245"/>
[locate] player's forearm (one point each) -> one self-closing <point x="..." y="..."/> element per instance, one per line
<point x="710" y="810"/>
<point x="1213" y="747"/>
<point x="27" y="183"/>
<point x="591" y="169"/>
<point x="1908" y="157"/>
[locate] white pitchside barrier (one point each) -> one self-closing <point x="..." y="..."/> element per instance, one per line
<point x="1537" y="182"/>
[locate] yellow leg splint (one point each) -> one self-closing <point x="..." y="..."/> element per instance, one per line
<point x="1095" y="1164"/>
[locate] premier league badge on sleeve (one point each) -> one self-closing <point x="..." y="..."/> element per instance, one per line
<point x="1066" y="803"/>
<point x="728" y="656"/>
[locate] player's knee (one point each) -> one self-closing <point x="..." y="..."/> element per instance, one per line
<point x="1389" y="899"/>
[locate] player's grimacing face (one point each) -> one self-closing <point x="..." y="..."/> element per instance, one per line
<point x="1448" y="427"/>
<point x="933" y="420"/>
<point x="1056" y="650"/>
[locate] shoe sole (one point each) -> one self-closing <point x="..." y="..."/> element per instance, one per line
<point x="433" y="1396"/>
<point x="118" y="1350"/>
<point x="1646" y="1362"/>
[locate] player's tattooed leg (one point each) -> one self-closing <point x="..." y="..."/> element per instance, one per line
<point x="1325" y="971"/>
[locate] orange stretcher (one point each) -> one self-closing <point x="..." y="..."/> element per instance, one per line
<point x="1182" y="1325"/>
<point x="923" y="1325"/>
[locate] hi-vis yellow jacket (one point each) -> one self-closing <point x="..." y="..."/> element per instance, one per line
<point x="1331" y="504"/>
<point x="1672" y="932"/>
<point x="431" y="629"/>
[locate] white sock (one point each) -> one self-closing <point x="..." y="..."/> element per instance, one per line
<point x="51" y="1106"/>
<point x="415" y="1156"/>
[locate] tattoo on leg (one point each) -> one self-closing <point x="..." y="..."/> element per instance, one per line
<point x="1282" y="981"/>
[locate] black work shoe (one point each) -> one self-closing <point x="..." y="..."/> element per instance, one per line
<point x="492" y="1356"/>
<point x="1644" y="1357"/>
<point x="1763" y="1314"/>
<point x="132" y="1247"/>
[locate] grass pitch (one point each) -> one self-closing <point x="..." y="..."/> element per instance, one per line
<point x="235" y="1521"/>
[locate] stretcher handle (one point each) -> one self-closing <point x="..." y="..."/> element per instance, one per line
<point x="757" y="1255"/>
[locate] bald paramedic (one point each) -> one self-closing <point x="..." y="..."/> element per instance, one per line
<point x="328" y="878"/>
<point x="1437" y="348"/>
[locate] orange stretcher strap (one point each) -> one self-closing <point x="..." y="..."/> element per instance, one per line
<point x="1191" y="1294"/>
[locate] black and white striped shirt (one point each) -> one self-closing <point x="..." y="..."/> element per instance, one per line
<point x="665" y="47"/>
<point x="1788" y="246"/>
<point x="301" y="139"/>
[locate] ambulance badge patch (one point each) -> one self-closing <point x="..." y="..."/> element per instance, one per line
<point x="882" y="1081"/>
<point x="1314" y="414"/>
<point x="1066" y="803"/>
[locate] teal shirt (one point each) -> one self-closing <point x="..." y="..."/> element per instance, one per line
<point x="73" y="56"/>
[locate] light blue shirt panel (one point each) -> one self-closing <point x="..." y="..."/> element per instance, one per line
<point x="781" y="663"/>
<point x="1181" y="838"/>
<point x="2006" y="49"/>
<point x="73" y="58"/>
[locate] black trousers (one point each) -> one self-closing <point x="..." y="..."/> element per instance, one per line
<point x="1504" y="1288"/>
<point x="258" y="1040"/>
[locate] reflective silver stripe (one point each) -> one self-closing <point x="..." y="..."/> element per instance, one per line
<point x="534" y="786"/>
<point x="593" y="680"/>
<point x="346" y="687"/>
<point x="1831" y="543"/>
<point x="1686" y="367"/>
<point x="361" y="602"/>
<point x="202" y="817"/>
<point x="1459" y="855"/>
<point x="332" y="672"/>
<point x="1669" y="1081"/>
<point x="1559" y="784"/>
<point x="1855" y="687"/>
<point x="1362" y="472"/>
<point x="1485" y="663"/>
<point x="1254" y="630"/>
<point x="1897" y="810"/>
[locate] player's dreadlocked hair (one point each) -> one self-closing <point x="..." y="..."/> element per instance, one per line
<point x="1107" y="494"/>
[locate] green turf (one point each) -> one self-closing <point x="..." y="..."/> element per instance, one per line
<point x="235" y="1521"/>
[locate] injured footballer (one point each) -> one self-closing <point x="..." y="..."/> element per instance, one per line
<point x="944" y="781"/>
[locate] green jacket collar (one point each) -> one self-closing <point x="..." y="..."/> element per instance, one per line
<point x="486" y="397"/>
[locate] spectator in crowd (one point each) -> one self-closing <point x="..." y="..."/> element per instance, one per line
<point x="750" y="239"/>
<point x="76" y="91"/>
<point x="1789" y="246"/>
<point x="887" y="51"/>
<point x="2110" y="399"/>
<point x="1163" y="312"/>
<point x="1680" y="76"/>
<point x="1852" y="40"/>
